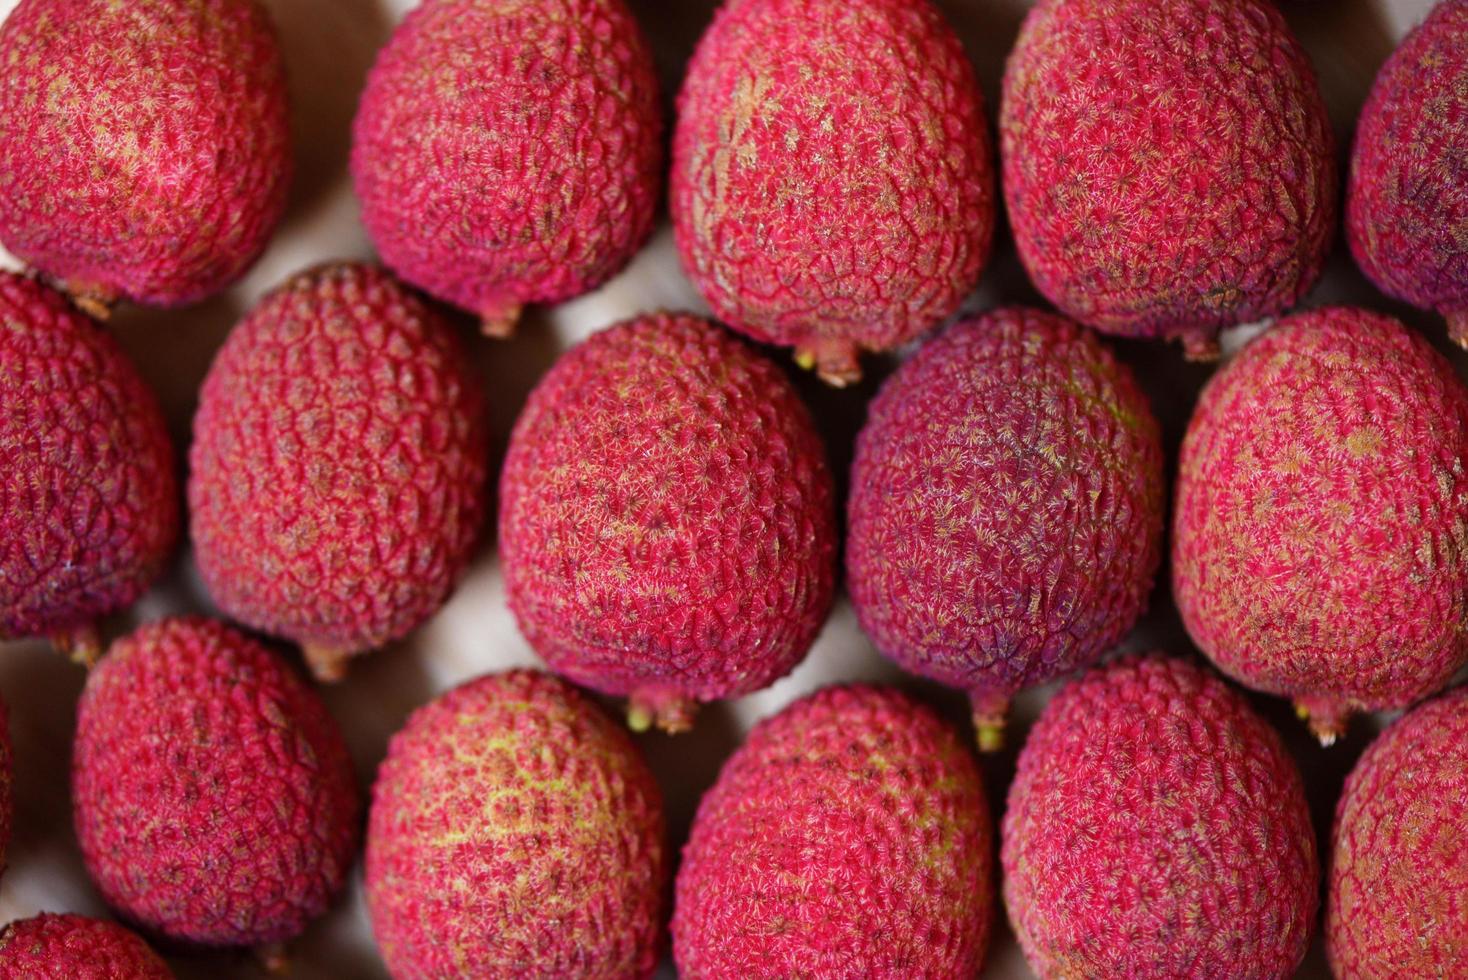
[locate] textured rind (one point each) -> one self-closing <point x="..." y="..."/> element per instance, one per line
<point x="144" y="146"/>
<point x="666" y="514"/>
<point x="74" y="947"/>
<point x="1407" y="200"/>
<point x="848" y="837"/>
<point x="1398" y="897"/>
<point x="338" y="464"/>
<point x="515" y="832"/>
<point x="510" y="151"/>
<point x="212" y="793"/>
<point x="1320" y="545"/>
<point x="832" y="174"/>
<point x="1005" y="517"/>
<point x="1168" y="164"/>
<point x="88" y="494"/>
<point x="1156" y="827"/>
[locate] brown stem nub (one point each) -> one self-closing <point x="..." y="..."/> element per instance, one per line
<point x="1326" y="718"/>
<point x="328" y="664"/>
<point x="1458" y="326"/>
<point x="991" y="714"/>
<point x="1200" y="345"/>
<point x="93" y="300"/>
<point x="499" y="322"/>
<point x="82" y="644"/>
<point x="667" y="709"/>
<point x="274" y="958"/>
<point x="834" y="359"/>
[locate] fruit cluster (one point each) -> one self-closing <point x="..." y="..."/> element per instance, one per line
<point x="669" y="524"/>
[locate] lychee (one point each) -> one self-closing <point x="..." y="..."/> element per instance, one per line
<point x="1156" y="827"/>
<point x="144" y="146"/>
<point x="515" y="832"/>
<point x="1005" y="517"/>
<point x="88" y="495"/>
<point x="74" y="947"/>
<point x="1320" y="540"/>
<point x="213" y="797"/>
<point x="510" y="153"/>
<point x="666" y="518"/>
<point x="1168" y="164"/>
<point x="832" y="178"/>
<point x="1407" y="197"/>
<point x="848" y="837"/>
<point x="1399" y="855"/>
<point x="338" y="464"/>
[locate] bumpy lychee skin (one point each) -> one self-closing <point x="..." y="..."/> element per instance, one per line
<point x="510" y="153"/>
<point x="1398" y="896"/>
<point x="1407" y="197"/>
<point x="832" y="179"/>
<point x="1156" y="827"/>
<point x="666" y="518"/>
<point x="144" y="146"/>
<point x="1005" y="518"/>
<point x="1320" y="540"/>
<point x="338" y="465"/>
<point x="74" y="947"/>
<point x="1168" y="164"/>
<point x="848" y="837"/>
<point x="515" y="831"/>
<point x="212" y="793"/>
<point x="88" y="496"/>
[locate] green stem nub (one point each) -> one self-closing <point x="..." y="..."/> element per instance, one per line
<point x="1458" y="326"/>
<point x="991" y="714"/>
<point x="668" y="710"/>
<point x="81" y="644"/>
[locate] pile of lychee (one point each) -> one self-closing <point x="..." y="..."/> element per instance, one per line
<point x="669" y="523"/>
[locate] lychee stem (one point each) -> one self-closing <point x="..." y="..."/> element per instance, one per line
<point x="1200" y="345"/>
<point x="500" y="321"/>
<point x="274" y="958"/>
<point x="834" y="359"/>
<point x="1458" y="326"/>
<point x="991" y="713"/>
<point x="82" y="644"/>
<point x="1327" y="719"/>
<point x="328" y="664"/>
<point x="95" y="301"/>
<point x="667" y="709"/>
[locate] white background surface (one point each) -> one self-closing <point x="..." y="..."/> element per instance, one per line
<point x="329" y="45"/>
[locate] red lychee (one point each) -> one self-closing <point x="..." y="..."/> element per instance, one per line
<point x="832" y="179"/>
<point x="666" y="518"/>
<point x="338" y="464"/>
<point x="88" y="495"/>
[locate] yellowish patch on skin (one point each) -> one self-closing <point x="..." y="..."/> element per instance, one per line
<point x="1365" y="441"/>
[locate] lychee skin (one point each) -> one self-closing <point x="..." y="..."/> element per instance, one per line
<point x="1005" y="516"/>
<point x="832" y="178"/>
<point x="1168" y="164"/>
<point x="1320" y="539"/>
<point x="144" y="146"/>
<point x="338" y="464"/>
<point x="848" y="837"/>
<point x="667" y="522"/>
<point x="508" y="154"/>
<point x="515" y="831"/>
<point x="74" y="947"/>
<point x="88" y="496"/>
<point x="212" y="794"/>
<point x="1399" y="854"/>
<point x="1156" y="827"/>
<point x="1407" y="196"/>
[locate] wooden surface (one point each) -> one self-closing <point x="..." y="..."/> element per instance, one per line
<point x="329" y="46"/>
